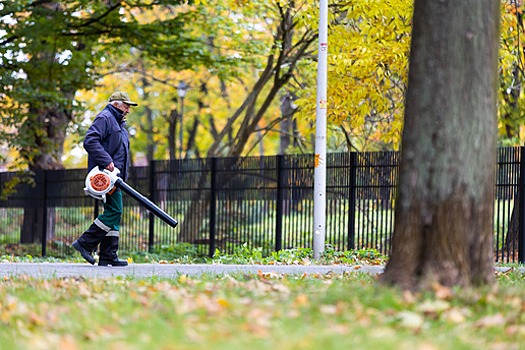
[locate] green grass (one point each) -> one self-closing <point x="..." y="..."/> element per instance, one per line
<point x="264" y="311"/>
<point x="243" y="254"/>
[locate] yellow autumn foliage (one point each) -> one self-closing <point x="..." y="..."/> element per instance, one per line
<point x="368" y="47"/>
<point x="368" y="43"/>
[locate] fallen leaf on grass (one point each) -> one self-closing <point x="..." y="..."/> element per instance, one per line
<point x="292" y="313"/>
<point x="183" y="278"/>
<point x="442" y="292"/>
<point x="409" y="297"/>
<point x="339" y="329"/>
<point x="491" y="321"/>
<point x="301" y="300"/>
<point x="194" y="335"/>
<point x="411" y="320"/>
<point x="256" y="330"/>
<point x="515" y="329"/>
<point x="36" y="320"/>
<point x="280" y="288"/>
<point x="268" y="275"/>
<point x="223" y="303"/>
<point x="427" y="346"/>
<point x="454" y="316"/>
<point x="258" y="322"/>
<point x="328" y="309"/>
<point x="433" y="307"/>
<point x="68" y="343"/>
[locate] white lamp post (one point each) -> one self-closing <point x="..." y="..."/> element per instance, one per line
<point x="182" y="88"/>
<point x="320" y="135"/>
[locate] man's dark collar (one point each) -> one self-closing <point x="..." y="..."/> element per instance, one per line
<point x="117" y="113"/>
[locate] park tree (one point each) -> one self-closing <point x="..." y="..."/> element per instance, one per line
<point x="290" y="43"/>
<point x="368" y="43"/>
<point x="50" y="50"/>
<point x="237" y="37"/>
<point x="368" y="71"/>
<point x="44" y="61"/>
<point x="444" y="211"/>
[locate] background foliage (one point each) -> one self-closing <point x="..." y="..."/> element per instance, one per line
<point x="251" y="69"/>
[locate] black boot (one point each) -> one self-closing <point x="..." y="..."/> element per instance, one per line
<point x="86" y="254"/>
<point x="87" y="243"/>
<point x="108" y="252"/>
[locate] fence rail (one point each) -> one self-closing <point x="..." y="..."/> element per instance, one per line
<point x="221" y="203"/>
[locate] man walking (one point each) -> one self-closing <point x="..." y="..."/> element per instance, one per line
<point x="107" y="145"/>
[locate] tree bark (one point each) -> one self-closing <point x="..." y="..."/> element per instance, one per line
<point x="172" y="128"/>
<point x="444" y="213"/>
<point x="45" y="155"/>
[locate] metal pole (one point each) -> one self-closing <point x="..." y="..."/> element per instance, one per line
<point x="45" y="214"/>
<point x="279" y="204"/>
<point x="320" y="135"/>
<point x="213" y="207"/>
<point x="151" y="236"/>
<point x="521" y="206"/>
<point x="352" y="200"/>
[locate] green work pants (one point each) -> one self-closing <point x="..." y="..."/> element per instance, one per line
<point x="112" y="211"/>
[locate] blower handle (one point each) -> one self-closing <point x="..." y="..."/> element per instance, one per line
<point x="146" y="202"/>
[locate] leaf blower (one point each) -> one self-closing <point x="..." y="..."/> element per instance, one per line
<point x="101" y="182"/>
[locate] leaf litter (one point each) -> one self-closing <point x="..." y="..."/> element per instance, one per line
<point x="77" y="313"/>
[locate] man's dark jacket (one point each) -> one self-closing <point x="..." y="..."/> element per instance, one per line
<point x="107" y="141"/>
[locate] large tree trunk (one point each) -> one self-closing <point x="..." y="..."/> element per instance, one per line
<point x="444" y="213"/>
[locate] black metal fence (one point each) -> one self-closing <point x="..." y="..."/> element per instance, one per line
<point x="221" y="203"/>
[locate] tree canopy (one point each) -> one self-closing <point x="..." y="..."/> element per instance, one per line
<point x="50" y="50"/>
<point x="243" y="60"/>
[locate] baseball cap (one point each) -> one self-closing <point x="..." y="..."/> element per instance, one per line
<point x="122" y="96"/>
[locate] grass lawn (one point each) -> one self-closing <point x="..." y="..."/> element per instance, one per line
<point x="264" y="311"/>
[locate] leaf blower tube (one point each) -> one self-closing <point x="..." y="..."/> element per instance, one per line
<point x="146" y="202"/>
<point x="99" y="182"/>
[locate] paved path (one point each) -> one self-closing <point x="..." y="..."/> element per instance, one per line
<point x="51" y="270"/>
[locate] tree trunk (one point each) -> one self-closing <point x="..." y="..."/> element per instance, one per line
<point x="196" y="214"/>
<point x="287" y="112"/>
<point x="172" y="127"/>
<point x="33" y="223"/>
<point x="444" y="213"/>
<point x="45" y="155"/>
<point x="512" y="238"/>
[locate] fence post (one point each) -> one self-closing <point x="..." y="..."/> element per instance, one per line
<point x="352" y="200"/>
<point x="279" y="205"/>
<point x="44" y="215"/>
<point x="213" y="204"/>
<point x="151" y="237"/>
<point x="521" y="215"/>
